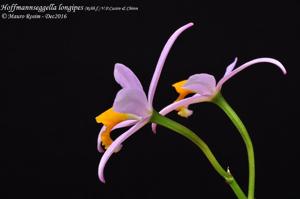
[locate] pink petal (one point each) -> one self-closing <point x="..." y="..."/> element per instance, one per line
<point x="162" y="60"/>
<point x="246" y="65"/>
<point x="185" y="102"/>
<point x="132" y="101"/>
<point x="116" y="144"/>
<point x="203" y="84"/>
<point x="99" y="147"/>
<point x="230" y="67"/>
<point x="126" y="78"/>
<point x="125" y="123"/>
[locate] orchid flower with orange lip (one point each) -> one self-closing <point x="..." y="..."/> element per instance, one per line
<point x="205" y="89"/>
<point x="131" y="106"/>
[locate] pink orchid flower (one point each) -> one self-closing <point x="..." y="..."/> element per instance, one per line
<point x="205" y="88"/>
<point x="131" y="106"/>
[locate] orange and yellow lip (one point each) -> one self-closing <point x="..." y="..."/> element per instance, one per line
<point x="183" y="111"/>
<point x="109" y="119"/>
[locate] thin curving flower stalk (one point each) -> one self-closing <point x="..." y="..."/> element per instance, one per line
<point x="205" y="89"/>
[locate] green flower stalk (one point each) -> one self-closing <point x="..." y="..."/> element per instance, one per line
<point x="221" y="102"/>
<point x="182" y="130"/>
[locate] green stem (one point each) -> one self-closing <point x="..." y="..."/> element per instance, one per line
<point x="221" y="102"/>
<point x="182" y="130"/>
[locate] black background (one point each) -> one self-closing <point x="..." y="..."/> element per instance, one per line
<point x="57" y="75"/>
